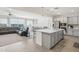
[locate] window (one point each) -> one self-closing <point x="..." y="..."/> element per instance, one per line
<point x="17" y="21"/>
<point x="3" y="21"/>
<point x="13" y="21"/>
<point x="20" y="21"/>
<point x="8" y="22"/>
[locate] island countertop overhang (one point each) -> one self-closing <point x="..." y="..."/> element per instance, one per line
<point x="50" y="30"/>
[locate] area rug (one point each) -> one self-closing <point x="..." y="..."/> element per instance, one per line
<point x="9" y="39"/>
<point x="60" y="46"/>
<point x="76" y="45"/>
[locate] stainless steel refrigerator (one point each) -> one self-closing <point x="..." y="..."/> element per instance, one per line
<point x="56" y="24"/>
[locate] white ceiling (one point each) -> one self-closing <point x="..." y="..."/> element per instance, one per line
<point x="49" y="11"/>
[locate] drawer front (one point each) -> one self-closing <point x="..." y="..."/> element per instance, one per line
<point x="52" y="40"/>
<point x="46" y="42"/>
<point x="56" y="38"/>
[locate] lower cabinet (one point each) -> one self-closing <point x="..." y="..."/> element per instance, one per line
<point x="61" y="35"/>
<point x="73" y="32"/>
<point x="52" y="40"/>
<point x="48" y="40"/>
<point x="38" y="39"/>
<point x="69" y="31"/>
<point x="55" y="37"/>
<point x="76" y="32"/>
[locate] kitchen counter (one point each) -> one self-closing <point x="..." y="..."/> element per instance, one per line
<point x="73" y="31"/>
<point x="49" y="30"/>
<point x="48" y="37"/>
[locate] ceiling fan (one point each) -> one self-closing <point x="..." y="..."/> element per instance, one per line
<point x="12" y="15"/>
<point x="9" y="11"/>
<point x="56" y="8"/>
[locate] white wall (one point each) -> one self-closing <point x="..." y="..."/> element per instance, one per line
<point x="42" y="20"/>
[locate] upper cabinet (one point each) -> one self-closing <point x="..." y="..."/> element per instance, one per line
<point x="62" y="19"/>
<point x="72" y="20"/>
<point x="78" y="20"/>
<point x="69" y="20"/>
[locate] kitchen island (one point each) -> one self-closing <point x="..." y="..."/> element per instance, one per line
<point x="48" y="38"/>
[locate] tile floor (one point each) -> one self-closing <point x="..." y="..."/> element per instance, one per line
<point x="27" y="45"/>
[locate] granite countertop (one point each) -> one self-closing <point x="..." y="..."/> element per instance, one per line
<point x="74" y="28"/>
<point x="49" y="30"/>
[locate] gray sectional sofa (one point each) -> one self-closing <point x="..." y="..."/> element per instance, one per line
<point x="4" y="29"/>
<point x="7" y="30"/>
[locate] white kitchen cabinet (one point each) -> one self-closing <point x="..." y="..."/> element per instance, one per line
<point x="69" y="20"/>
<point x="75" y="32"/>
<point x="56" y="37"/>
<point x="72" y="20"/>
<point x="78" y="20"/>
<point x="52" y="40"/>
<point x="69" y="31"/>
<point x="60" y="35"/>
<point x="56" y="24"/>
<point x="38" y="39"/>
<point x="48" y="38"/>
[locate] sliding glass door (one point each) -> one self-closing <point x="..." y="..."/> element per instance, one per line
<point x="3" y="22"/>
<point x="18" y="22"/>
